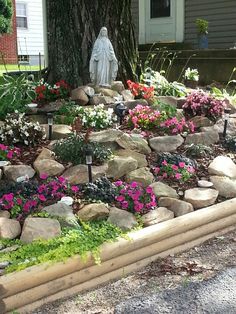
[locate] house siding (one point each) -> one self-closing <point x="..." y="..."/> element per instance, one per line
<point x="221" y="15"/>
<point x="30" y="40"/>
<point x="8" y="43"/>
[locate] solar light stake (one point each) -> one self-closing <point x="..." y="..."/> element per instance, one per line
<point x="226" y="118"/>
<point x="120" y="110"/>
<point x="50" y="124"/>
<point x="89" y="160"/>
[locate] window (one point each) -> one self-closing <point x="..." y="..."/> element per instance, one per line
<point x="160" y="8"/>
<point x="21" y="15"/>
<point x="23" y="59"/>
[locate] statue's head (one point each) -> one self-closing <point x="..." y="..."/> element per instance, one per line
<point x="103" y="32"/>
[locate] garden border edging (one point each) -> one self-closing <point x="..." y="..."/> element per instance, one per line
<point x="36" y="285"/>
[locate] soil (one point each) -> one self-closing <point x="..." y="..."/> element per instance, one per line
<point x="199" y="263"/>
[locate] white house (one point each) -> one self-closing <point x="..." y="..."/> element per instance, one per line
<point x="29" y="21"/>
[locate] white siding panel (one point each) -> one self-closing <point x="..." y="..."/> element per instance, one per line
<point x="30" y="40"/>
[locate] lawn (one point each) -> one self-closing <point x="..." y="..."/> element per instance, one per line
<point x="16" y="67"/>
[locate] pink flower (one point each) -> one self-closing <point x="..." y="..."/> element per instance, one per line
<point x="133" y="185"/>
<point x="156" y="170"/>
<point x="164" y="175"/>
<point x="149" y="190"/>
<point x="61" y="179"/>
<point x="9" y="197"/>
<point x="42" y="197"/>
<point x="164" y="163"/>
<point x="181" y="164"/>
<point x="19" y="201"/>
<point x="174" y="167"/>
<point x="74" y="189"/>
<point x="43" y="176"/>
<point x="120" y="198"/>
<point x="124" y="205"/>
<point x="10" y="154"/>
<point x="190" y="169"/>
<point x="178" y="176"/>
<point x="118" y="183"/>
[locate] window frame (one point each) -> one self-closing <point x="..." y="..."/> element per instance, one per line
<point x="22" y="16"/>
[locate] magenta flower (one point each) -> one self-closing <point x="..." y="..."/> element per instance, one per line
<point x="118" y="183"/>
<point x="174" y="167"/>
<point x="74" y="188"/>
<point x="178" y="176"/>
<point x="133" y="185"/>
<point x="149" y="190"/>
<point x="120" y="198"/>
<point x="164" y="163"/>
<point x="43" y="176"/>
<point x="9" y="197"/>
<point x="42" y="197"/>
<point x="181" y="164"/>
<point x="125" y="205"/>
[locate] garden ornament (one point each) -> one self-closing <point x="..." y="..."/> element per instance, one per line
<point x="103" y="63"/>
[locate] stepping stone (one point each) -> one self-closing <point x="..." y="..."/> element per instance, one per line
<point x="200" y="197"/>
<point x="178" y="207"/>
<point x="142" y="175"/>
<point x="122" y="219"/>
<point x="157" y="215"/>
<point x="161" y="189"/>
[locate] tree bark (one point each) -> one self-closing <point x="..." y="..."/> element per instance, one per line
<point x="73" y="26"/>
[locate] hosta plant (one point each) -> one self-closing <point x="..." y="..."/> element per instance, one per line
<point x="18" y="129"/>
<point x="200" y="103"/>
<point x="134" y="197"/>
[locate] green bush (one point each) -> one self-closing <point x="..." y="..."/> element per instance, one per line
<point x="73" y="149"/>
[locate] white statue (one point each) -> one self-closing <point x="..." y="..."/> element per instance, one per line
<point x="103" y="63"/>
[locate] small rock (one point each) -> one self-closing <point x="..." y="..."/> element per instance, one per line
<point x="49" y="166"/>
<point x="131" y="104"/>
<point x="122" y="219"/>
<point x="97" y="100"/>
<point x="9" y="228"/>
<point x="45" y="154"/>
<point x="225" y="186"/>
<point x="89" y="91"/>
<point x="127" y="95"/>
<point x="161" y="189"/>
<point x="107" y="138"/>
<point x="200" y="121"/>
<point x="93" y="211"/>
<point x="134" y="142"/>
<point x="157" y="215"/>
<point x="59" y="131"/>
<point x="204" y="184"/>
<point x="141" y="158"/>
<point x="107" y="92"/>
<point x="79" y="174"/>
<point x="4" y="163"/>
<point x="117" y="86"/>
<point x="205" y="138"/>
<point x="4" y="264"/>
<point x="40" y="228"/>
<point x="10" y="249"/>
<point x="79" y="95"/>
<point x="63" y="211"/>
<point x="200" y="197"/>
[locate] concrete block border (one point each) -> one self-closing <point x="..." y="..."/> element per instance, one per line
<point x="28" y="289"/>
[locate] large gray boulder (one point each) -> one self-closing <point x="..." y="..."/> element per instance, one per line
<point x="9" y="228"/>
<point x="134" y="142"/>
<point x="166" y="143"/>
<point x="161" y="189"/>
<point x="205" y="138"/>
<point x="178" y="207"/>
<point x="200" y="197"/>
<point x="94" y="211"/>
<point x="122" y="219"/>
<point x="107" y="138"/>
<point x="40" y="228"/>
<point x="223" y="166"/>
<point x="17" y="171"/>
<point x="157" y="215"/>
<point x="141" y="158"/>
<point x="120" y="166"/>
<point x="79" y="174"/>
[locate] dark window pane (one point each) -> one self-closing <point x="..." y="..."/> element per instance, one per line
<point x="160" y="8"/>
<point x="21" y="22"/>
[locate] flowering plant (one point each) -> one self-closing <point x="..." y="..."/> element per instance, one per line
<point x="140" y="90"/>
<point x="17" y="129"/>
<point x="46" y="92"/>
<point x="147" y="118"/>
<point x="200" y="103"/>
<point x="135" y="198"/>
<point x="8" y="152"/>
<point x="97" y="117"/>
<point x="179" y="172"/>
<point x="21" y="205"/>
<point x="191" y="74"/>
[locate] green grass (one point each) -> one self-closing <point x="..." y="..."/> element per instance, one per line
<point x="15" y="67"/>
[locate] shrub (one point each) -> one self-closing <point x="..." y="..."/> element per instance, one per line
<point x="134" y="197"/>
<point x="46" y="92"/>
<point x="73" y="149"/>
<point x="179" y="172"/>
<point x="198" y="150"/>
<point x="15" y="93"/>
<point x="8" y="152"/>
<point x="17" y="129"/>
<point x="101" y="189"/>
<point x="202" y="104"/>
<point x="147" y="118"/>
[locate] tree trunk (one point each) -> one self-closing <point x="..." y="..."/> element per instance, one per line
<point x="73" y="26"/>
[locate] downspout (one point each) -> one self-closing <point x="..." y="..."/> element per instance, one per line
<point x="45" y="32"/>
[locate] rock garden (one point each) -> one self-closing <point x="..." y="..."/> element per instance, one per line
<point x="81" y="167"/>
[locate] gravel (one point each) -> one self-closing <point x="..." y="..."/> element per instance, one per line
<point x="160" y="278"/>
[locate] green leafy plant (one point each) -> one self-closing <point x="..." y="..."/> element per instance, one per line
<point x="45" y="92"/>
<point x="198" y="150"/>
<point x="166" y="110"/>
<point x="6" y="11"/>
<point x="67" y="113"/>
<point x="73" y="149"/>
<point x="88" y="238"/>
<point x="202" y="26"/>
<point x="191" y="74"/>
<point x="18" y="129"/>
<point x="15" y="93"/>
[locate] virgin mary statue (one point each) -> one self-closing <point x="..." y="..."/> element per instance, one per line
<point x="103" y="63"/>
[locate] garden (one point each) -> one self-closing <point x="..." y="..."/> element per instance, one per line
<point x="83" y="167"/>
